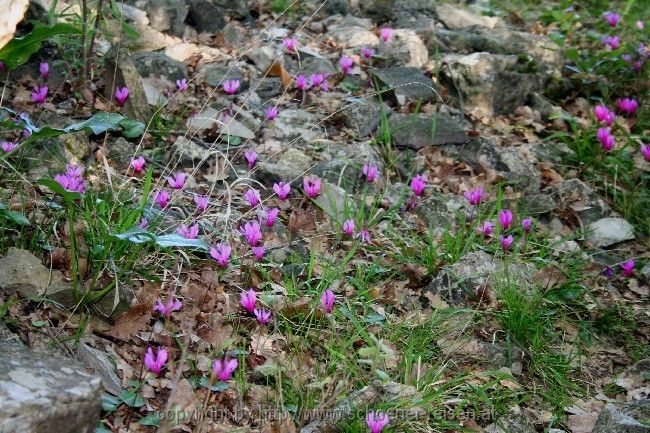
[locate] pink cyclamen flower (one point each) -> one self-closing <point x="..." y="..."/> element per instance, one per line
<point x="190" y="232"/>
<point x="612" y="42"/>
<point x="137" y="164"/>
<point x="39" y="94"/>
<point x="121" y="95"/>
<point x="155" y="364"/>
<point x="224" y="368"/>
<point x="44" y="69"/>
<point x="312" y="186"/>
<point x="527" y="224"/>
<point x="248" y="300"/>
<point x="346" y="64"/>
<point x="271" y="113"/>
<point x="176" y="180"/>
<point x="71" y="180"/>
<point x="386" y="34"/>
<point x="269" y="216"/>
<point x="645" y="150"/>
<point x="252" y="196"/>
<point x="506" y="242"/>
<point x="604" y="115"/>
<point x="611" y="18"/>
<point x="252" y="233"/>
<point x="348" y="227"/>
<point x="376" y="421"/>
<point x="251" y="158"/>
<point x="144" y="223"/>
<point x="640" y="25"/>
<point x="474" y="196"/>
<point x="162" y="198"/>
<point x="231" y="86"/>
<point x="168" y="308"/>
<point x="318" y="79"/>
<point x="301" y="82"/>
<point x="505" y="218"/>
<point x="485" y="228"/>
<point x="628" y="105"/>
<point x="367" y="52"/>
<point x="263" y="316"/>
<point x="221" y="254"/>
<point x="628" y="268"/>
<point x="202" y="202"/>
<point x="418" y="183"/>
<point x="327" y="301"/>
<point x="258" y="252"/>
<point x="181" y="85"/>
<point x="371" y="172"/>
<point x="282" y="189"/>
<point x="8" y="146"/>
<point x="606" y="139"/>
<point x="290" y="44"/>
<point x="364" y="236"/>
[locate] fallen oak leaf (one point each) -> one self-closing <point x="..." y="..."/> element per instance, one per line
<point x="277" y="70"/>
<point x="130" y="323"/>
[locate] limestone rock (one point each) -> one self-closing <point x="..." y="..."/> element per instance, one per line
<point x="609" y="231"/>
<point x="405" y="49"/>
<point x="126" y="74"/>
<point x="627" y="418"/>
<point x="405" y="84"/>
<point x="455" y="18"/>
<point x="421" y="130"/>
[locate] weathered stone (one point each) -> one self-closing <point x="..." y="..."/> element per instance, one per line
<point x="126" y="74"/>
<point x="158" y="64"/>
<point x="333" y="7"/>
<point x="233" y="35"/>
<point x="109" y="306"/>
<point x="295" y="127"/>
<point x="189" y="153"/>
<point x="268" y="88"/>
<point x="263" y="57"/>
<point x="419" y="15"/>
<point x="455" y="18"/>
<point x="120" y="151"/>
<point x="405" y="84"/>
<point x="334" y="201"/>
<point x="575" y="195"/>
<point x="421" y="130"/>
<point x="208" y="15"/>
<point x="363" y="115"/>
<point x="215" y="75"/>
<point x="210" y="117"/>
<point x="609" y="231"/>
<point x="150" y="39"/>
<point x="42" y="394"/>
<point x="289" y="165"/>
<point x="344" y="162"/>
<point x="310" y="65"/>
<point x="100" y="363"/>
<point x="378" y="10"/>
<point x="440" y="211"/>
<point x="23" y="273"/>
<point x="511" y="423"/>
<point x="626" y="418"/>
<point x="167" y="15"/>
<point x="405" y="49"/>
<point x="353" y="36"/>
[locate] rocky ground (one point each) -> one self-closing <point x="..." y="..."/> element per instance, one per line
<point x="468" y="113"/>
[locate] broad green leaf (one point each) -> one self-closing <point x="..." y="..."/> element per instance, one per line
<point x="132" y="128"/>
<point x="68" y="196"/>
<point x="131" y="399"/>
<point x="136" y="235"/>
<point x="176" y="240"/>
<point x="38" y="323"/>
<point x="110" y="403"/>
<point x="153" y="420"/>
<point x="98" y="123"/>
<point x="15" y="217"/>
<point x="19" y="50"/>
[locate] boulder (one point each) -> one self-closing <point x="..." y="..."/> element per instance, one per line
<point x="209" y="15"/>
<point x="150" y="63"/>
<point x="285" y="167"/>
<point x="624" y="418"/>
<point x="404" y="84"/>
<point x="167" y="15"/>
<point x="121" y="71"/>
<point x="362" y="115"/>
<point x="405" y="49"/>
<point x="576" y="196"/>
<point x="344" y="162"/>
<point x="23" y="274"/>
<point x="421" y="130"/>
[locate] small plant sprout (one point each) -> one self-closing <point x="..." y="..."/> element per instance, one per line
<point x="71" y="180"/>
<point x="506" y="242"/>
<point x="44" y="69"/>
<point x="348" y="227"/>
<point x="155" y="364"/>
<point x="181" y="85"/>
<point x="224" y="368"/>
<point x="527" y="224"/>
<point x="162" y="198"/>
<point x="371" y="172"/>
<point x="252" y="196"/>
<point x="347" y="63"/>
<point x="251" y="158"/>
<point x="177" y="180"/>
<point x="327" y="301"/>
<point x="474" y="196"/>
<point x="263" y="316"/>
<point x="301" y="82"/>
<point x="418" y="184"/>
<point x="645" y="150"/>
<point x="258" y="252"/>
<point x="312" y="186"/>
<point x="252" y="233"/>
<point x="8" y="146"/>
<point x="627" y="268"/>
<point x="606" y="139"/>
<point x="376" y="421"/>
<point x="612" y="42"/>
<point x="386" y="33"/>
<point x="485" y="228"/>
<point x="271" y="113"/>
<point x="167" y="309"/>
<point x="221" y="254"/>
<point x="604" y="115"/>
<point x="611" y="18"/>
<point x="248" y="300"/>
<point x="505" y="218"/>
<point x="231" y="86"/>
<point x="137" y="164"/>
<point x="121" y="95"/>
<point x="269" y="216"/>
<point x="282" y="189"/>
<point x="290" y="44"/>
<point x="191" y="232"/>
<point x="39" y="94"/>
<point x="201" y="202"/>
<point x="367" y="53"/>
<point x="628" y="105"/>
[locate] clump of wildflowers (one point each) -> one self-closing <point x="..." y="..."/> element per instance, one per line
<point x="628" y="105"/>
<point x="252" y="233"/>
<point x="418" y="184"/>
<point x="474" y="196"/>
<point x="606" y="139"/>
<point x="604" y="115"/>
<point x="612" y="42"/>
<point x="39" y="94"/>
<point x="376" y="421"/>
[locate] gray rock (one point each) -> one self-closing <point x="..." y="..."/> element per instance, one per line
<point x="575" y="195"/>
<point x="378" y="10"/>
<point x="440" y="211"/>
<point x="609" y="231"/>
<point x="188" y="153"/>
<point x="120" y="151"/>
<point x="100" y="363"/>
<point x="455" y="18"/>
<point x="41" y="394"/>
<point x="210" y="118"/>
<point x="215" y="75"/>
<point x="511" y="423"/>
<point x="405" y="84"/>
<point x="167" y="15"/>
<point x="353" y="36"/>
<point x="298" y="127"/>
<point x="419" y="15"/>
<point x="362" y="115"/>
<point x="111" y="307"/>
<point x="289" y="165"/>
<point x="158" y="64"/>
<point x="627" y="418"/>
<point x="421" y="130"/>
<point x="341" y="7"/>
<point x="335" y="201"/>
<point x="126" y="74"/>
<point x="263" y="57"/>
<point x="405" y="49"/>
<point x="645" y="273"/>
<point x="268" y="88"/>
<point x="310" y="65"/>
<point x="491" y="84"/>
<point x="552" y="151"/>
<point x="233" y="35"/>
<point x="208" y="15"/>
<point x="23" y="273"/>
<point x="344" y="162"/>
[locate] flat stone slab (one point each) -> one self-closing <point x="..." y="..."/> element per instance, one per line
<point x="406" y="84"/>
<point x="609" y="231"/>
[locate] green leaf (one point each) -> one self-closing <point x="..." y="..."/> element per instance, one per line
<point x="132" y="128"/>
<point x="217" y="387"/>
<point x="98" y="123"/>
<point x="19" y="50"/>
<point x="131" y="399"/>
<point x="110" y="403"/>
<point x="176" y="240"/>
<point x="150" y="420"/>
<point x="55" y="186"/>
<point x="136" y="235"/>
<point x="38" y="323"/>
<point x="15" y="217"/>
